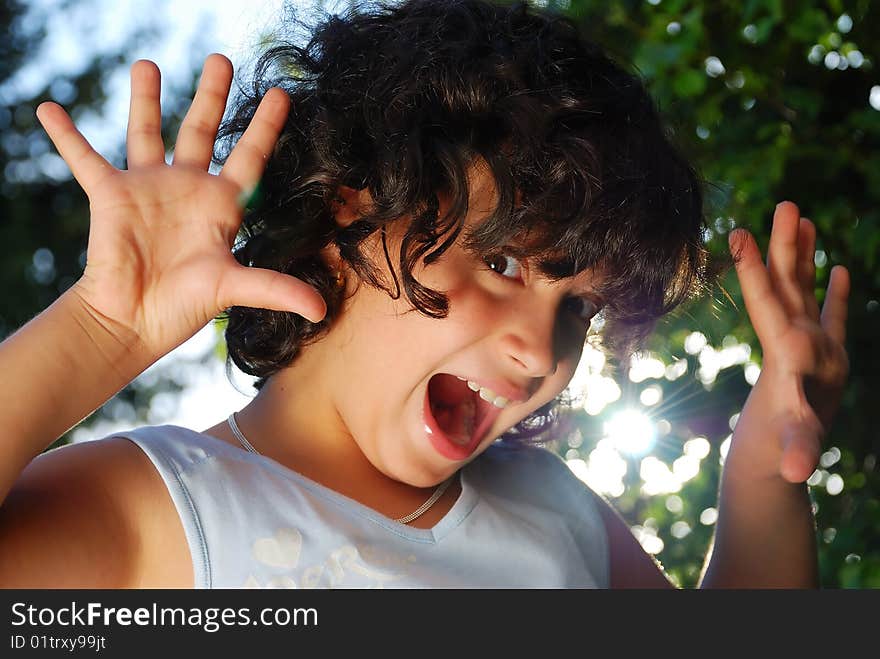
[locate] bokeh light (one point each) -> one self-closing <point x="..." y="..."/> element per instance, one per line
<point x="695" y="342"/>
<point x="674" y="504"/>
<point x="723" y="449"/>
<point x="676" y="369"/>
<point x="698" y="447"/>
<point x="603" y="470"/>
<point x="651" y="395"/>
<point x="589" y="387"/>
<point x="834" y="484"/>
<point x="658" y="477"/>
<point x="751" y="372"/>
<point x="645" y="365"/>
<point x="874" y="97"/>
<point x="631" y="432"/>
<point x="829" y="457"/>
<point x="680" y="529"/>
<point x="647" y="537"/>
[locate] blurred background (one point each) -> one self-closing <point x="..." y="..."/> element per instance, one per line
<point x="772" y="100"/>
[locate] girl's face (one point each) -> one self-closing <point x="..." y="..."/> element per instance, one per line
<point x="404" y="383"/>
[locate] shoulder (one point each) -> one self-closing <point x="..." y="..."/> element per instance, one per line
<point x="533" y="471"/>
<point x="522" y="458"/>
<point x="175" y="447"/>
<point x="535" y="478"/>
<point x="542" y="477"/>
<point x="93" y="514"/>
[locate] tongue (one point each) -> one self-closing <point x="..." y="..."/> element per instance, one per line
<point x="454" y="407"/>
<point x="458" y="422"/>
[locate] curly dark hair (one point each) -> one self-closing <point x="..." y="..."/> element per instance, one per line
<point x="401" y="99"/>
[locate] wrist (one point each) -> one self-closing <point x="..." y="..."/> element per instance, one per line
<point x="777" y="434"/>
<point x="119" y="346"/>
<point x="756" y="448"/>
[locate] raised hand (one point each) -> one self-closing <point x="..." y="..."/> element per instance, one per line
<point x="159" y="262"/>
<point x="805" y="364"/>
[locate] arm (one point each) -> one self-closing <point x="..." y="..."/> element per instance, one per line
<point x="159" y="268"/>
<point x="64" y="364"/>
<point x="92" y="515"/>
<point x="630" y="566"/>
<point x="765" y="534"/>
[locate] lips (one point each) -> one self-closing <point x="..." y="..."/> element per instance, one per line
<point x="443" y="444"/>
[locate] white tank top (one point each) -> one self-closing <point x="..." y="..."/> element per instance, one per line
<point x="522" y="520"/>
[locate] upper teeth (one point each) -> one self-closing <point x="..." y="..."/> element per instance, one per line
<point x="486" y="393"/>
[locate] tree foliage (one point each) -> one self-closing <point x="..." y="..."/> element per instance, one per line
<point x="772" y="101"/>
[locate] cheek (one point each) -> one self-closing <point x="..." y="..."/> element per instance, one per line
<point x="569" y="338"/>
<point x="473" y="311"/>
<point x="564" y="372"/>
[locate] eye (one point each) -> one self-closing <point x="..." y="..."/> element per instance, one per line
<point x="582" y="307"/>
<point x="504" y="265"/>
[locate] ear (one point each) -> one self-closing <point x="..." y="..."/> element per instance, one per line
<point x="350" y="205"/>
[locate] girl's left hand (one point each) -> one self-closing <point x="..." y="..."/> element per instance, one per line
<point x="805" y="364"/>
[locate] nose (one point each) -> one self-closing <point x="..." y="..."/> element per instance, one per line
<point x="528" y="341"/>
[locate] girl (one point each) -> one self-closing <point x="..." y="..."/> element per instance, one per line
<point x="449" y="192"/>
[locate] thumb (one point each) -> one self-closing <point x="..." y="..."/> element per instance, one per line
<point x="261" y="288"/>
<point x="800" y="449"/>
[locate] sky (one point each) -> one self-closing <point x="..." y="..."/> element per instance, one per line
<point x="185" y="32"/>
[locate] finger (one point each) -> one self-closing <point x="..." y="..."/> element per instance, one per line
<point x="764" y="308"/>
<point x="807" y="266"/>
<point x="144" y="137"/>
<point x="248" y="159"/>
<point x="195" y="141"/>
<point x="782" y="257"/>
<point x="834" y="310"/>
<point x="86" y="164"/>
<point x="267" y="289"/>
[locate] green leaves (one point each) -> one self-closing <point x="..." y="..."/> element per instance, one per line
<point x="689" y="83"/>
<point x="788" y="118"/>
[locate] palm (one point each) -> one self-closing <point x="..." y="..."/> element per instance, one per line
<point x="159" y="263"/>
<point x="805" y="363"/>
<point x="187" y="258"/>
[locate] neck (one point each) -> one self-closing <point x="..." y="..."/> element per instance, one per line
<point x="295" y="423"/>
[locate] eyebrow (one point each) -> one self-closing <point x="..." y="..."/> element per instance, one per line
<point x="554" y="269"/>
<point x="591" y="292"/>
<point x="594" y="297"/>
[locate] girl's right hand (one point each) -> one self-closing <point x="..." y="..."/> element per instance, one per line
<point x="159" y="261"/>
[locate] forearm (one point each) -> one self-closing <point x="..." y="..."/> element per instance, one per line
<point x="59" y="367"/>
<point x="765" y="532"/>
<point x="764" y="536"/>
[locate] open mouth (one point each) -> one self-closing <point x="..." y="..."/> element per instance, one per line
<point x="460" y="416"/>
